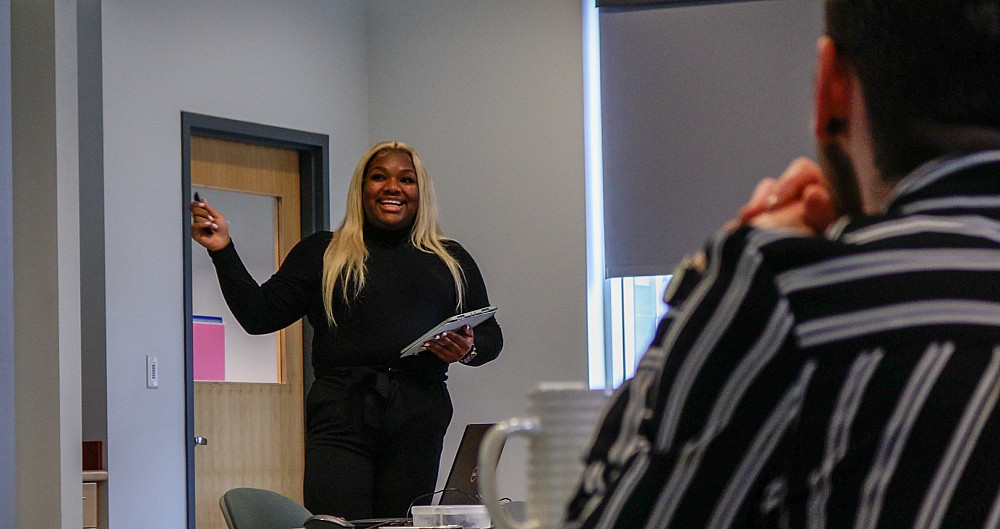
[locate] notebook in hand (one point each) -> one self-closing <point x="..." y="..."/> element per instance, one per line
<point x="471" y="318"/>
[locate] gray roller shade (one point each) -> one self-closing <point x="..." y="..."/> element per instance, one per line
<point x="698" y="103"/>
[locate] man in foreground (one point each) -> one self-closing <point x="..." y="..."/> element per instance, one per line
<point x="834" y="361"/>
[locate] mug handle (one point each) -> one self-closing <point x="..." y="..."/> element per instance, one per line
<point x="489" y="457"/>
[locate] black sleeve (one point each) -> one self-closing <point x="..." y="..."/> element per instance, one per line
<point x="489" y="337"/>
<point x="281" y="300"/>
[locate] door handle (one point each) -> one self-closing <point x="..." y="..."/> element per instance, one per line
<point x="201" y="441"/>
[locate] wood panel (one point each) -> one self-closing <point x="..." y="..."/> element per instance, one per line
<point x="89" y="505"/>
<point x="255" y="431"/>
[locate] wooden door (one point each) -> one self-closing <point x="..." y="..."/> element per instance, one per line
<point x="254" y="430"/>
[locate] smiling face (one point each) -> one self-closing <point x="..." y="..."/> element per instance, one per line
<point x="390" y="195"/>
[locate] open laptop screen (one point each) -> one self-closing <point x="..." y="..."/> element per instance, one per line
<point x="461" y="487"/>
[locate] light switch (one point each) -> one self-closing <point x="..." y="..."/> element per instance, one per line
<point x="152" y="372"/>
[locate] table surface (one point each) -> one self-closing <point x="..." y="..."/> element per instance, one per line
<point x="95" y="475"/>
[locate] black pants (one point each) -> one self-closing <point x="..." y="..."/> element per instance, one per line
<point x="373" y="442"/>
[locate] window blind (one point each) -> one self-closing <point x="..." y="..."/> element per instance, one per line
<point x="698" y="104"/>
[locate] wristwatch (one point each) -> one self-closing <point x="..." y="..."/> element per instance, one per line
<point x="469" y="356"/>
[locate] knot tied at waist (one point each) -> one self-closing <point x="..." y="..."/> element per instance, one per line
<point x="376" y="385"/>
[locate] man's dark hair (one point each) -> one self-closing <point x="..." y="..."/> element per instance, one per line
<point x="928" y="68"/>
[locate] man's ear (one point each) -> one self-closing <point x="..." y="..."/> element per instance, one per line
<point x="833" y="91"/>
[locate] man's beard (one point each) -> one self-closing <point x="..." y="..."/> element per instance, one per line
<point x="842" y="179"/>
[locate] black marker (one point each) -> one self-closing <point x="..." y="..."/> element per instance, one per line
<point x="207" y="231"/>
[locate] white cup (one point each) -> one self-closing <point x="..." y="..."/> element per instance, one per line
<point x="560" y="422"/>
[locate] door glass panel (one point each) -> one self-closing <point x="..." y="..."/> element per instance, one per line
<point x="252" y="226"/>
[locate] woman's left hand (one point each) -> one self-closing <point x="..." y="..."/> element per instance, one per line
<point x="452" y="346"/>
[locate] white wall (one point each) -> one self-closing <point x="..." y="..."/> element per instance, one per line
<point x="299" y="65"/>
<point x="491" y="94"/>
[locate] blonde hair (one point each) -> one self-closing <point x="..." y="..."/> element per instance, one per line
<point x="345" y="256"/>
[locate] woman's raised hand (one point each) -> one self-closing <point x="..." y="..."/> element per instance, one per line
<point x="208" y="227"/>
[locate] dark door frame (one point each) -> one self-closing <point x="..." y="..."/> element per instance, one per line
<point x="314" y="189"/>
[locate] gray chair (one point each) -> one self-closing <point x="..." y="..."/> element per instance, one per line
<point x="248" y="508"/>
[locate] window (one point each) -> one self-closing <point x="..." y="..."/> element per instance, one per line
<point x="635" y="307"/>
<point x="670" y="94"/>
<point x="622" y="312"/>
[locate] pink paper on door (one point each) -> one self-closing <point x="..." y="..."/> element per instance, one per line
<point x="209" y="343"/>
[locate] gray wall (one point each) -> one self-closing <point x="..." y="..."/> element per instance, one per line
<point x="299" y="65"/>
<point x="495" y="105"/>
<point x="698" y="101"/>
<point x="46" y="263"/>
<point x="93" y="331"/>
<point x="8" y="498"/>
<point x="491" y="94"/>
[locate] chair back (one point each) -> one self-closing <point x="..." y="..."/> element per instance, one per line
<point x="249" y="508"/>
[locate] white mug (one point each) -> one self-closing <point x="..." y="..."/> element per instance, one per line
<point x="561" y="420"/>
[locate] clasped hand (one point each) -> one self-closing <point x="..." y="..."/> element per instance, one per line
<point x="797" y="201"/>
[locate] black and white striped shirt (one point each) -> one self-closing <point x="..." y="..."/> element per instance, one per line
<point x="846" y="381"/>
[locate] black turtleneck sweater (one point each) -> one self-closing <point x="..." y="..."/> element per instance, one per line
<point x="407" y="291"/>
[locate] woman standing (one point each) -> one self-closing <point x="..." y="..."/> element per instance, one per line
<point x="375" y="423"/>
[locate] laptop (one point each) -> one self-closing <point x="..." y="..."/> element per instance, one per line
<point x="461" y="487"/>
